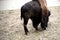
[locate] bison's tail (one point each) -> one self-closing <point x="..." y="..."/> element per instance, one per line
<point x="21" y="17"/>
<point x="21" y="13"/>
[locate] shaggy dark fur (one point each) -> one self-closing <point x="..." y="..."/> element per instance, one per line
<point x="32" y="10"/>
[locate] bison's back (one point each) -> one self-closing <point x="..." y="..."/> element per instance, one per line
<point x="31" y="9"/>
<point x="31" y="5"/>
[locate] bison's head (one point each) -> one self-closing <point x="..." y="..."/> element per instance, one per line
<point x="45" y="19"/>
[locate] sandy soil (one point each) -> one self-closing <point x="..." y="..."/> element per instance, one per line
<point x="11" y="26"/>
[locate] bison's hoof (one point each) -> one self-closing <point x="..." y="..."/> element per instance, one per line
<point x="26" y="32"/>
<point x="44" y="28"/>
<point x="36" y="29"/>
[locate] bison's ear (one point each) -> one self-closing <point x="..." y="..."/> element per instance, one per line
<point x="49" y="13"/>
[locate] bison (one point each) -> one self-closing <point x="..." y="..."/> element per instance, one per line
<point x="32" y="10"/>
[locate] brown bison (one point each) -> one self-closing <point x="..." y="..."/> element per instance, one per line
<point x="32" y="10"/>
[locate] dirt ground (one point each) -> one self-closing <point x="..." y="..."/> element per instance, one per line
<point x="11" y="26"/>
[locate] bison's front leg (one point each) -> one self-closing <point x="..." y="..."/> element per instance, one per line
<point x="35" y="24"/>
<point x="25" y="25"/>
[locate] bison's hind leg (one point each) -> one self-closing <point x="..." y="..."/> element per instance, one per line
<point x="25" y="25"/>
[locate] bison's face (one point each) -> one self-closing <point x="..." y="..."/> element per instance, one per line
<point x="45" y="20"/>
